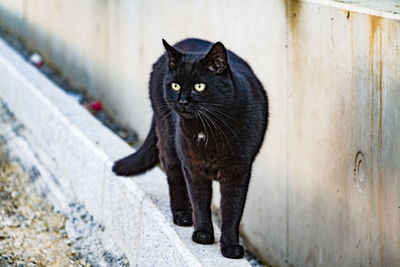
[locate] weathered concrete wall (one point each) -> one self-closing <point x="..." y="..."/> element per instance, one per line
<point x="343" y="179"/>
<point x="325" y="187"/>
<point x="344" y="112"/>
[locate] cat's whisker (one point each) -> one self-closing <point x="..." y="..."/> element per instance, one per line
<point x="216" y="127"/>
<point x="164" y="107"/>
<point x="204" y="126"/>
<point x="206" y="122"/>
<point x="195" y="136"/>
<point x="223" y="121"/>
<point x="219" y="130"/>
<point x="220" y="111"/>
<point x="213" y="113"/>
<point x="250" y="109"/>
<point x="165" y="116"/>
<point x="221" y="133"/>
<point x="213" y="104"/>
<point x="210" y="127"/>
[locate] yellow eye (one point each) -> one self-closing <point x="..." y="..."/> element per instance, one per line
<point x="175" y="86"/>
<point x="199" y="87"/>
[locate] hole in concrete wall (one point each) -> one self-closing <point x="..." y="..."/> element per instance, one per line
<point x="360" y="171"/>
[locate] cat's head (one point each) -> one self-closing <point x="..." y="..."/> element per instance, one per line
<point x="198" y="83"/>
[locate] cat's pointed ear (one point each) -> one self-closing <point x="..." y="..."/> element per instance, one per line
<point x="216" y="59"/>
<point x="173" y="54"/>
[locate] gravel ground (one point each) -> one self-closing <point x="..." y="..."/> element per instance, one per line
<point x="35" y="233"/>
<point x="32" y="233"/>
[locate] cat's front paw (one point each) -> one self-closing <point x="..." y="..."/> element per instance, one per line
<point x="233" y="251"/>
<point x="182" y="218"/>
<point x="203" y="237"/>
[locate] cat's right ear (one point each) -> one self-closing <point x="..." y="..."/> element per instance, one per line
<point x="173" y="54"/>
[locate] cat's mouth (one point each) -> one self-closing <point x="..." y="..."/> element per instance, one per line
<point x="185" y="113"/>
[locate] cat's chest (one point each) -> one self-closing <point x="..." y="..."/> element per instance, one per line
<point x="203" y="155"/>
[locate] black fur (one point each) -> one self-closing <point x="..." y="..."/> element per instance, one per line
<point x="213" y="134"/>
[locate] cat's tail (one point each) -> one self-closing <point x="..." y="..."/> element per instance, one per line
<point x="142" y="160"/>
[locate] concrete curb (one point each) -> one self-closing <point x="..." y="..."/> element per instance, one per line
<point x="79" y="150"/>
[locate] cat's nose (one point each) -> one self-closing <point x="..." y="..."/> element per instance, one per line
<point x="183" y="102"/>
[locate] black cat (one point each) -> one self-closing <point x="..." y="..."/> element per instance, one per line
<point x="210" y="116"/>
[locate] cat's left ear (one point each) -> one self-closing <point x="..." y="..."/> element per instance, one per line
<point x="173" y="54"/>
<point x="216" y="59"/>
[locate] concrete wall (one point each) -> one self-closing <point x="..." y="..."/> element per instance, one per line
<point x="326" y="186"/>
<point x="344" y="112"/>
